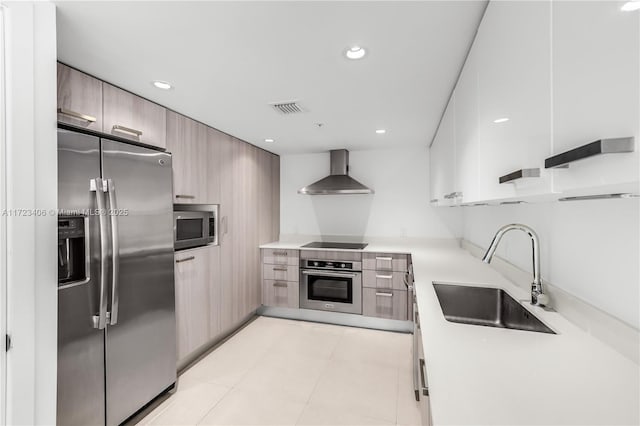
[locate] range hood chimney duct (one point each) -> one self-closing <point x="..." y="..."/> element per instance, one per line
<point x="338" y="182"/>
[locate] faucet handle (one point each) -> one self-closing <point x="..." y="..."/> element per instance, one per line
<point x="542" y="299"/>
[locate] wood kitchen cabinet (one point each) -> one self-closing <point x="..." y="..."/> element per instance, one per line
<point x="247" y="197"/>
<point x="79" y="99"/>
<point x="194" y="288"/>
<point x="386" y="285"/>
<point x="187" y="140"/>
<point x="280" y="278"/>
<point x="129" y="116"/>
<point x="384" y="303"/>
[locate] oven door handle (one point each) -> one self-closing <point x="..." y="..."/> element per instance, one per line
<point x="328" y="274"/>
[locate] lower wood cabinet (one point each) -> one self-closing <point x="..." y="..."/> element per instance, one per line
<point x="280" y="278"/>
<point x="197" y="281"/>
<point x="381" y="303"/>
<point x="284" y="294"/>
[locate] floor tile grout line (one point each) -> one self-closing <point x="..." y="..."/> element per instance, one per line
<point x="199" y="422"/>
<point x="315" y="386"/>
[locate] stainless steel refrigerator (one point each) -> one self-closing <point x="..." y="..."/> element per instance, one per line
<point x="116" y="295"/>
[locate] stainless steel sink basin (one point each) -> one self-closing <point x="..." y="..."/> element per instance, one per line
<point x="491" y="307"/>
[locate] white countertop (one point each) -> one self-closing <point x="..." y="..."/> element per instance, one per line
<point x="489" y="376"/>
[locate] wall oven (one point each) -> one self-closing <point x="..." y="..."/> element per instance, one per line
<point x="331" y="286"/>
<point x="194" y="225"/>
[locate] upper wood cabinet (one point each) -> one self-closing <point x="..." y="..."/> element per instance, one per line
<point x="132" y="117"/>
<point x="596" y="77"/>
<point x="513" y="54"/>
<point x="187" y="140"/>
<point x="79" y="99"/>
<point x="215" y="142"/>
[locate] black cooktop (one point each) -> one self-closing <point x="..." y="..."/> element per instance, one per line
<point x="334" y="245"/>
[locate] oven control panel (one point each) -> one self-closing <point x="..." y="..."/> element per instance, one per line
<point x="328" y="264"/>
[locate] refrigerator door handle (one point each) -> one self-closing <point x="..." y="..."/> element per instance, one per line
<point x="98" y="185"/>
<point x="115" y="245"/>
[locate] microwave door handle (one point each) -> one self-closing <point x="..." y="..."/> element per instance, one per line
<point x="97" y="185"/>
<point x="115" y="245"/>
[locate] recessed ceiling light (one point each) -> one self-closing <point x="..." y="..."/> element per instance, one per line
<point x="381" y="131"/>
<point x="630" y="6"/>
<point x="500" y="120"/>
<point x="162" y="85"/>
<point x="355" y="52"/>
<point x="269" y="140"/>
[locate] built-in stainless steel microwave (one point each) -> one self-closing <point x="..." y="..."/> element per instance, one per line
<point x="194" y="225"/>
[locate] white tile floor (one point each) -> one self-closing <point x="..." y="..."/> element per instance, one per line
<point x="283" y="372"/>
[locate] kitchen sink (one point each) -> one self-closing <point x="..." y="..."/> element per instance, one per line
<point x="491" y="307"/>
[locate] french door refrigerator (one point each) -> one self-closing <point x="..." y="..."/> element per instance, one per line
<point x="116" y="325"/>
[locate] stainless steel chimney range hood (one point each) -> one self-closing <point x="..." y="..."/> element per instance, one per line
<point x="338" y="182"/>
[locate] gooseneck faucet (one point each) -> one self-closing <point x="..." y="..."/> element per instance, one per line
<point x="538" y="298"/>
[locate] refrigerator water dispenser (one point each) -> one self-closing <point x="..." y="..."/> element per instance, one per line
<point x="72" y="256"/>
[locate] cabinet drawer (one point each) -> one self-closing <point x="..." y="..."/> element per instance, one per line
<point x="79" y="99"/>
<point x="385" y="261"/>
<point x="281" y="293"/>
<point x="381" y="279"/>
<point x="390" y="304"/>
<point x="132" y="117"/>
<point x="280" y="257"/>
<point x="280" y="272"/>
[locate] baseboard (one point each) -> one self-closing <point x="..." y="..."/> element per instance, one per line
<point x="338" y="318"/>
<point x="619" y="335"/>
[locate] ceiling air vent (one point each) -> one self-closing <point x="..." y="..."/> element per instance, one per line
<point x="290" y="107"/>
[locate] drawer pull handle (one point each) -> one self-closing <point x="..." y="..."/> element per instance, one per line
<point x="385" y="259"/>
<point x="190" y="197"/>
<point x="186" y="259"/>
<point x="77" y="115"/>
<point x="129" y="130"/>
<point x="280" y="253"/>
<point x="384" y="277"/>
<point x="275" y="268"/>
<point x="279" y="284"/>
<point x="384" y="294"/>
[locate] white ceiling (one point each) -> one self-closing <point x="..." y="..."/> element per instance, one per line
<point x="229" y="60"/>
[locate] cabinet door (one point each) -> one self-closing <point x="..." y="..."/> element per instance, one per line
<point x="187" y="141"/>
<point x="227" y="229"/>
<point x="79" y="99"/>
<point x="596" y="49"/>
<point x="442" y="159"/>
<point x="132" y="117"/>
<point x="215" y="140"/>
<point x="513" y="49"/>
<point x="215" y="291"/>
<point x="192" y="299"/>
<point x="390" y="304"/>
<point x="466" y="131"/>
<point x="275" y="197"/>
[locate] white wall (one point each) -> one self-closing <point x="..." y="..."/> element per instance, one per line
<point x="590" y="249"/>
<point x="31" y="183"/>
<point x="399" y="207"/>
